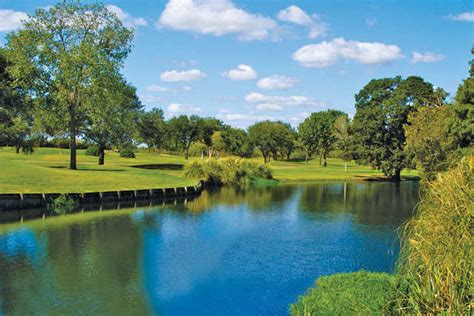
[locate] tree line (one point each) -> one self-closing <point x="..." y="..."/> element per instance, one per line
<point x="60" y="78"/>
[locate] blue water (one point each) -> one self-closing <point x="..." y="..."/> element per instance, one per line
<point x="227" y="252"/>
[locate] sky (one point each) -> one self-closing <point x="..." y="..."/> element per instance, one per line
<point x="243" y="61"/>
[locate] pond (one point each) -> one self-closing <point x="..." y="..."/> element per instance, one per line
<point x="229" y="251"/>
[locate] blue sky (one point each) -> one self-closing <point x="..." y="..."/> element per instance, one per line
<point x="244" y="61"/>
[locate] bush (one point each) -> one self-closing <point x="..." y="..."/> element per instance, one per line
<point x="358" y="293"/>
<point x="63" y="205"/>
<point x="127" y="153"/>
<point x="227" y="171"/>
<point x="436" y="258"/>
<point x="92" y="151"/>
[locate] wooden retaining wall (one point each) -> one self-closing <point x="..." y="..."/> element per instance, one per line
<point x="19" y="201"/>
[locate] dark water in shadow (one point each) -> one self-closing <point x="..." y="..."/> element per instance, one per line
<point x="242" y="252"/>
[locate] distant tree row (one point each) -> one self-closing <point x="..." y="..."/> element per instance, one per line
<point x="60" y="78"/>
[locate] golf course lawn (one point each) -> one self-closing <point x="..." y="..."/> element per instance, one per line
<point x="46" y="171"/>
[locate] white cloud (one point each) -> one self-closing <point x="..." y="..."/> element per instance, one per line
<point x="187" y="75"/>
<point x="299" y="117"/>
<point x="294" y="100"/>
<point x="326" y="53"/>
<point x="244" y="117"/>
<point x="269" y="107"/>
<point x="371" y="22"/>
<point x="215" y="17"/>
<point x="465" y="17"/>
<point x="242" y="72"/>
<point x="426" y="57"/>
<point x="156" y="88"/>
<point x="187" y="88"/>
<point x="178" y="108"/>
<point x="127" y="19"/>
<point x="297" y="16"/>
<point x="11" y="20"/>
<point x="150" y="99"/>
<point x="276" y="82"/>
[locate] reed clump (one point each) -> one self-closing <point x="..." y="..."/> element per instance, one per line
<point x="437" y="256"/>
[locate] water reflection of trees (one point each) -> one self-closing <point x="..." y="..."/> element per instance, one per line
<point x="375" y="203"/>
<point x="255" y="198"/>
<point x="91" y="268"/>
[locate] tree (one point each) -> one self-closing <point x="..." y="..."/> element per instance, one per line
<point x="428" y="140"/>
<point x="462" y="123"/>
<point x="342" y="136"/>
<point x="207" y="126"/>
<point x="236" y="142"/>
<point x="317" y="133"/>
<point x="15" y="112"/>
<point x="271" y="138"/>
<point x="114" y="109"/>
<point x="383" y="106"/>
<point x="57" y="55"/>
<point x="184" y="131"/>
<point x="151" y="128"/>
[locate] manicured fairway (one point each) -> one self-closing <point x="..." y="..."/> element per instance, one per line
<point x="46" y="170"/>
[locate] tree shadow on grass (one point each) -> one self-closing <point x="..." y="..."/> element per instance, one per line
<point x="64" y="167"/>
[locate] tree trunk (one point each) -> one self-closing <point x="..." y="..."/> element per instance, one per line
<point x="17" y="148"/>
<point x="320" y="157"/>
<point x="72" y="148"/>
<point x="101" y="155"/>
<point x="396" y="176"/>
<point x="186" y="155"/>
<point x="325" y="164"/>
<point x="306" y="156"/>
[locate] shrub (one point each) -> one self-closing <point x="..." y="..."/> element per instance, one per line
<point x="358" y="293"/>
<point x="227" y="171"/>
<point x="63" y="205"/>
<point x="436" y="258"/>
<point x="127" y="152"/>
<point x="92" y="151"/>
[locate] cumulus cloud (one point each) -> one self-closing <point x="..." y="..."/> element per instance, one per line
<point x="242" y="72"/>
<point x="276" y="82"/>
<point x="11" y="20"/>
<point x="464" y="17"/>
<point x="326" y="53"/>
<point x="187" y="75"/>
<point x="269" y="107"/>
<point x="149" y="99"/>
<point x="178" y="108"/>
<point x="156" y="88"/>
<point x="294" y="100"/>
<point x="127" y="19"/>
<point x="215" y="17"/>
<point x="296" y="15"/>
<point x="248" y="118"/>
<point x="426" y="57"/>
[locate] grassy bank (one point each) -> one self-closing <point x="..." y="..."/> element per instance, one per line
<point x="46" y="170"/>
<point x="435" y="268"/>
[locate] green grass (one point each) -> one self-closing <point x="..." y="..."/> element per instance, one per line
<point x="46" y="170"/>
<point x="357" y="293"/>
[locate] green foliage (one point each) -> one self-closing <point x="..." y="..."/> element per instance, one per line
<point x="182" y="132"/>
<point x="63" y="205"/>
<point x="227" y="171"/>
<point x="62" y="64"/>
<point x="436" y="259"/>
<point x="151" y="127"/>
<point x="92" y="151"/>
<point x="273" y="139"/>
<point x="383" y="106"/>
<point x="317" y="133"/>
<point x="127" y="152"/>
<point x="358" y="293"/>
<point x="236" y="142"/>
<point x="428" y="140"/>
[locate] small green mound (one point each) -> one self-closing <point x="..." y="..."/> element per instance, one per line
<point x="262" y="182"/>
<point x="362" y="293"/>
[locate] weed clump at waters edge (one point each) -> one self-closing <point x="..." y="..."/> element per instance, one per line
<point x="63" y="205"/>
<point x="435" y="270"/>
<point x="227" y="171"/>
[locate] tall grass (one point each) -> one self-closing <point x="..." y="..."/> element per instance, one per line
<point x="437" y="256"/>
<point x="227" y="171"/>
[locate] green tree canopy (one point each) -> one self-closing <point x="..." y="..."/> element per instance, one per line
<point x="59" y="54"/>
<point x="383" y="106"/>
<point x="151" y="127"/>
<point x="272" y="138"/>
<point x="183" y="131"/>
<point x="236" y="142"/>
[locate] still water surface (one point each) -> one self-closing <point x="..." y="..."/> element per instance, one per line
<point x="227" y="252"/>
